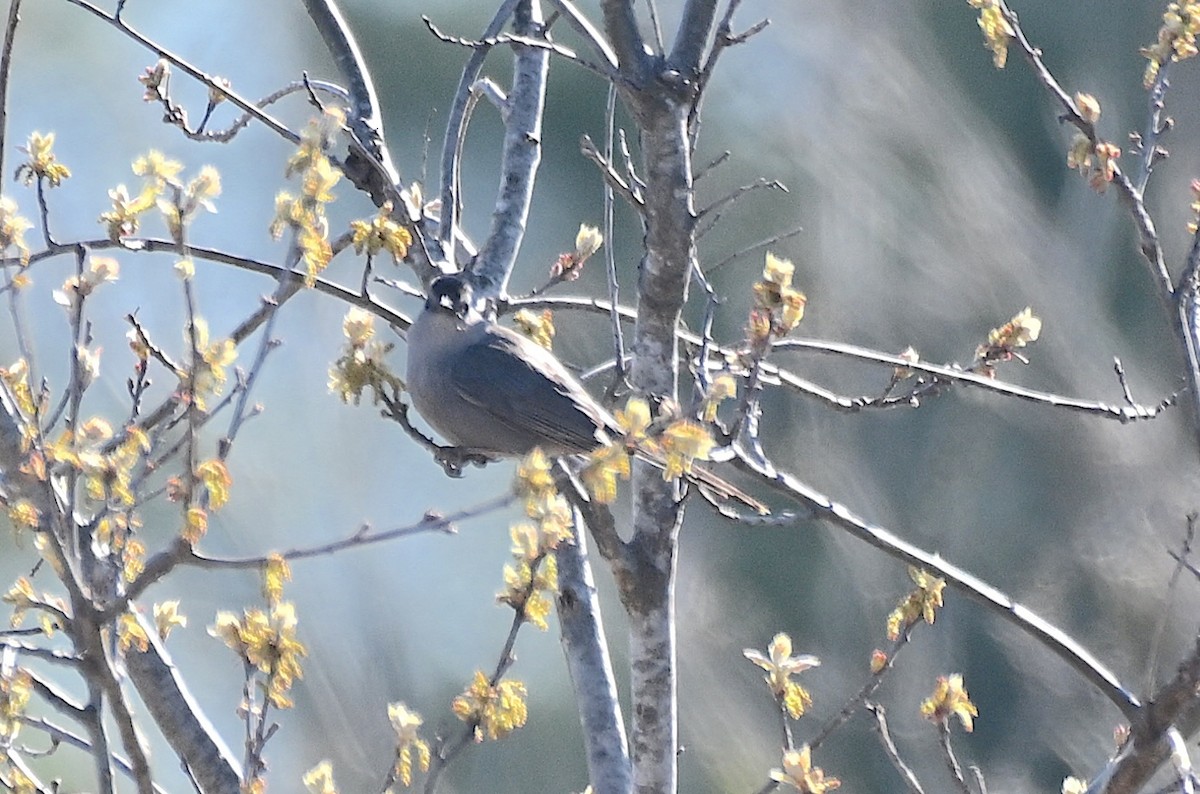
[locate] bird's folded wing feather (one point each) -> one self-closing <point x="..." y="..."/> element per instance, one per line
<point x="525" y="389"/>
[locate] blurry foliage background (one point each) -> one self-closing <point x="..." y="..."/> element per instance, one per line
<point x="935" y="204"/>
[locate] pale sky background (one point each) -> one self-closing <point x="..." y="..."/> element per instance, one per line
<point x="935" y="204"/>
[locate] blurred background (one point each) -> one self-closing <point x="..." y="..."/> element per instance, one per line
<point x="934" y="203"/>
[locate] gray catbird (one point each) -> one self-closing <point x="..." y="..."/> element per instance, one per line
<point x="488" y="388"/>
<point x="485" y="387"/>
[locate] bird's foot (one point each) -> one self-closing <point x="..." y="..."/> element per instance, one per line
<point x="454" y="460"/>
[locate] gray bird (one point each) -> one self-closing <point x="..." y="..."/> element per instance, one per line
<point x="491" y="390"/>
<point x="488" y="388"/>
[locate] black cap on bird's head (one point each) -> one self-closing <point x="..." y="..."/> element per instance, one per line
<point x="451" y="293"/>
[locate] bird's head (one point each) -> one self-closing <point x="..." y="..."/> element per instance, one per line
<point x="451" y="294"/>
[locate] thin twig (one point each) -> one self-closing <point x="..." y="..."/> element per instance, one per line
<point x="20" y="332"/>
<point x="861" y="698"/>
<point x="448" y="228"/>
<point x="612" y="179"/>
<point x="175" y="114"/>
<point x="782" y="376"/>
<point x="75" y="389"/>
<point x="444" y="753"/>
<point x="267" y="308"/>
<point x="1128" y="193"/>
<point x="711" y="302"/>
<point x="977" y="776"/>
<point x="365" y="536"/>
<point x="49" y="692"/>
<point x="713" y="164"/>
<point x="758" y="184"/>
<point x="265" y="346"/>
<point x="233" y="96"/>
<point x="43" y="654"/>
<point x="93" y="721"/>
<point x="179" y="553"/>
<point x="949" y="757"/>
<point x="602" y="70"/>
<point x="44" y="212"/>
<point x="772" y="240"/>
<point x="10" y="36"/>
<point x="889" y="748"/>
<point x="637" y="185"/>
<point x="584" y="27"/>
<point x="610" y="252"/>
<point x="1150" y="150"/>
<point x="723" y="39"/>
<point x="1181" y="564"/>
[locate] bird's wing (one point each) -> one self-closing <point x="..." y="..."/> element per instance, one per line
<point x="523" y="387"/>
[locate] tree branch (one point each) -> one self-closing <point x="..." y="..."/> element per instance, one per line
<point x="451" y="149"/>
<point x="521" y="155"/>
<point x="585" y="645"/>
<point x="620" y="23"/>
<point x="1048" y="635"/>
<point x="691" y="40"/>
<point x="1174" y="706"/>
<point x="178" y="716"/>
<point x="1130" y="412"/>
<point x="364" y="103"/>
<point x="279" y="272"/>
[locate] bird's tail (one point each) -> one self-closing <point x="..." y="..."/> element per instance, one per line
<point x="712" y="485"/>
<point x="723" y="489"/>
